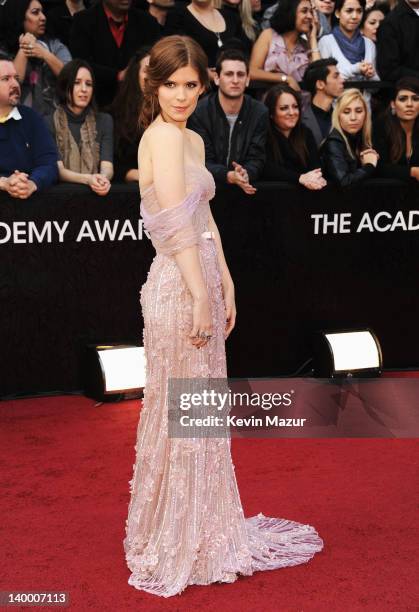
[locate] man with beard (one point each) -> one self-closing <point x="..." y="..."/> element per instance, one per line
<point x="232" y="124"/>
<point x="28" y="155"/>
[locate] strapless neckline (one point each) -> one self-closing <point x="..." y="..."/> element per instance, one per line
<point x="190" y="168"/>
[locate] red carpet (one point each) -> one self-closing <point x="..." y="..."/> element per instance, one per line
<point x="65" y="471"/>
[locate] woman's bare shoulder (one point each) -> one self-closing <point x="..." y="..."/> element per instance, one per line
<point x="197" y="143"/>
<point x="160" y="140"/>
<point x="195" y="138"/>
<point x="162" y="132"/>
<point x="266" y="35"/>
<point x="161" y="157"/>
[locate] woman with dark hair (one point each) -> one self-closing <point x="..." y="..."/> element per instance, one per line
<point x="291" y="149"/>
<point x="371" y="21"/>
<point x="396" y="137"/>
<point x="125" y="110"/>
<point x="84" y="137"/>
<point x="347" y="154"/>
<point x="185" y="518"/>
<point x="354" y="52"/>
<point x="39" y="58"/>
<point x="325" y="10"/>
<point x="281" y="54"/>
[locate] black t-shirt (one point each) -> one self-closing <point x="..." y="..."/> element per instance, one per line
<point x="323" y="118"/>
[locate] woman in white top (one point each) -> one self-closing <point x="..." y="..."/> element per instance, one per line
<point x="354" y="52"/>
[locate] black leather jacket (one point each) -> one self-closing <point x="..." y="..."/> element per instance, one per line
<point x="338" y="166"/>
<point x="248" y="139"/>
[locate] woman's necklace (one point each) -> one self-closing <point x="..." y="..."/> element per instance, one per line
<point x="209" y="25"/>
<point x="289" y="47"/>
<point x="409" y="155"/>
<point x="409" y="148"/>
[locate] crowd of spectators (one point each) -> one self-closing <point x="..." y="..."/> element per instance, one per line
<point x="303" y="91"/>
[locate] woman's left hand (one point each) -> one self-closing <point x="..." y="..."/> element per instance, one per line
<point x="312" y="37"/>
<point x="27" y="39"/>
<point x="100" y="184"/>
<point x="370" y="72"/>
<point x="293" y="83"/>
<point x="38" y="51"/>
<point x="369" y="156"/>
<point x="31" y="47"/>
<point x="230" y="306"/>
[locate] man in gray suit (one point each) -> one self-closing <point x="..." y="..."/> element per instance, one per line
<point x="323" y="80"/>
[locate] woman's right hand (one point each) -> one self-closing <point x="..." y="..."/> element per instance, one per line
<point x="293" y="83"/>
<point x="99" y="183"/>
<point x="414" y="172"/>
<point x="27" y="43"/>
<point x="369" y="156"/>
<point x="366" y="69"/>
<point x="313" y="180"/>
<point x="201" y="322"/>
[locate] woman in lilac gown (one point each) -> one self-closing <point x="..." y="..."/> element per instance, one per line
<point x="185" y="519"/>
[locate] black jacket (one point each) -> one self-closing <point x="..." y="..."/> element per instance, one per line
<point x="290" y="168"/>
<point x="247" y="140"/>
<point x="338" y="166"/>
<point x="309" y="119"/>
<point x="59" y="23"/>
<point x="91" y="39"/>
<point x="398" y="44"/>
<point x="396" y="170"/>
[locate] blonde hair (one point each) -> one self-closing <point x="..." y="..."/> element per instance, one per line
<point x="246" y="16"/>
<point x="248" y="23"/>
<point x="349" y="96"/>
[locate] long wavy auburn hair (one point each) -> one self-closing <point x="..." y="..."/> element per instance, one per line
<point x="166" y="56"/>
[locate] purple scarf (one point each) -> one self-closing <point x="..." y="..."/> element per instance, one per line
<point x="352" y="48"/>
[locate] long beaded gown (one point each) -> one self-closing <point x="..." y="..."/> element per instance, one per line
<point x="185" y="520"/>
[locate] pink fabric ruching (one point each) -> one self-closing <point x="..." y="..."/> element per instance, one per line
<point x="185" y="520"/>
<point x="172" y="229"/>
<point x="278" y="59"/>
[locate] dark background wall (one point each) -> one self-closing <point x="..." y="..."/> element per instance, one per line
<point x="56" y="297"/>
